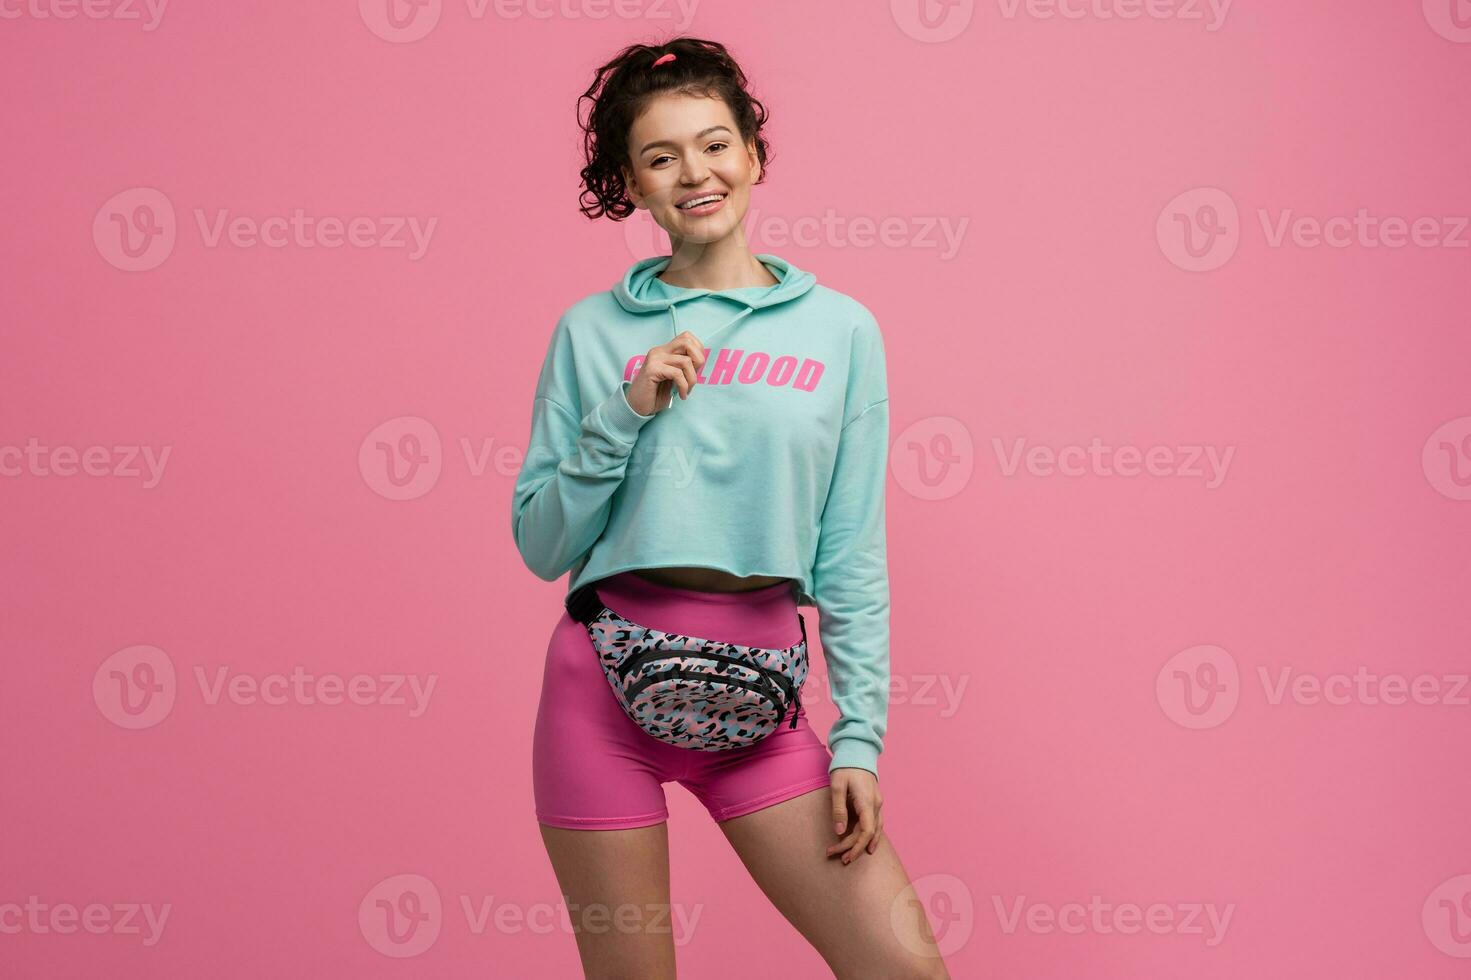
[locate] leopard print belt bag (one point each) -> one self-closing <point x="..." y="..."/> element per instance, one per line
<point x="690" y="691"/>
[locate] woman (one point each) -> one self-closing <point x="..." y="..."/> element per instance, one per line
<point x="762" y="489"/>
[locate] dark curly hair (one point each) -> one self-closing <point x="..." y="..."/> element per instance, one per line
<point x="624" y="87"/>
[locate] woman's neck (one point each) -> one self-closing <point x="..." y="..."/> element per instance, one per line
<point x="726" y="264"/>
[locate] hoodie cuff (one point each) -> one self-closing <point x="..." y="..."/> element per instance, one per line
<point x="616" y="419"/>
<point x="853" y="753"/>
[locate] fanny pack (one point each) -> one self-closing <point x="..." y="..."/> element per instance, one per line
<point x="690" y="691"/>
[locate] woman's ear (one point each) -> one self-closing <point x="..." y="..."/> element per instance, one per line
<point x="630" y="184"/>
<point x="755" y="161"/>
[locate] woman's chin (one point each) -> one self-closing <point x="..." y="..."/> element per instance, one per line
<point x="700" y="232"/>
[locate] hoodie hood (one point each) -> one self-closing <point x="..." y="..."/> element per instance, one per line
<point x="641" y="291"/>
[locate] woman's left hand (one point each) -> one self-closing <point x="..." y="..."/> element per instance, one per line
<point x="860" y="788"/>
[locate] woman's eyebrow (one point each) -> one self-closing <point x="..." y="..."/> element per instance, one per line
<point x="700" y="135"/>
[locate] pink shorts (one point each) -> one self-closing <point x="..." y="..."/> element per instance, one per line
<point x="593" y="768"/>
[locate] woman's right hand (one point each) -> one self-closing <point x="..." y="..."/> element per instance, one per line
<point x="671" y="365"/>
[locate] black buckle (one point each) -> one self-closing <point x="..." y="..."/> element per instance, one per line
<point x="584" y="605"/>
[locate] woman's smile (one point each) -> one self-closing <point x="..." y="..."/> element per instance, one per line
<point x="702" y="204"/>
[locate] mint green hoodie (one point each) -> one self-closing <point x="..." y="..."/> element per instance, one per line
<point x="776" y="464"/>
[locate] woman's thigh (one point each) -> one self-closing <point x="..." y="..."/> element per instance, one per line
<point x="593" y="768"/>
<point x="616" y="887"/>
<point x="600" y="808"/>
<point x="861" y="917"/>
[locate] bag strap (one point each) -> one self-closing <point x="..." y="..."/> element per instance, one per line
<point x="584" y="605"/>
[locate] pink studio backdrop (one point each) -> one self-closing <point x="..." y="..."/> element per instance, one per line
<point x="1175" y="303"/>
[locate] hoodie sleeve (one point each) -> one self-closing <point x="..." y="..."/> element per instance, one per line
<point x="850" y="574"/>
<point x="574" y="463"/>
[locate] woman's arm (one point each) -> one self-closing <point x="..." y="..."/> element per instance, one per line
<point x="574" y="463"/>
<point x="850" y="575"/>
<point x="851" y="586"/>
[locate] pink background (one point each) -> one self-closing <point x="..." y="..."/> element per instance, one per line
<point x="1076" y="615"/>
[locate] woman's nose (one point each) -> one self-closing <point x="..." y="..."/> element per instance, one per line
<point x="694" y="172"/>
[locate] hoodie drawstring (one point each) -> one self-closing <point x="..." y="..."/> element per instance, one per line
<point x="674" y="319"/>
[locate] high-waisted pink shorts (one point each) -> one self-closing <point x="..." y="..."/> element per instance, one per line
<point x="593" y="768"/>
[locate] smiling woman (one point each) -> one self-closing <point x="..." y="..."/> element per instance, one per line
<point x="635" y="111"/>
<point x="681" y="653"/>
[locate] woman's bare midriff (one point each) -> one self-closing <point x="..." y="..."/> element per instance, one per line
<point x="707" y="579"/>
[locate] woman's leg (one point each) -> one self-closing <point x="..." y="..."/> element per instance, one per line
<point x="597" y="780"/>
<point x="616" y="886"/>
<point x="771" y="800"/>
<point x="861" y="917"/>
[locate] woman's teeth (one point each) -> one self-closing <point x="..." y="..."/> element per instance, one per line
<point x="699" y="201"/>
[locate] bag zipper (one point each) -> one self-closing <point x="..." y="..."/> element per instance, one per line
<point x="633" y="663"/>
<point x="762" y="689"/>
<point x="792" y="697"/>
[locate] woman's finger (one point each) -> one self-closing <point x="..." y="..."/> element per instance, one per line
<point x="687" y="364"/>
<point x="845" y="843"/>
<point x="689" y="344"/>
<point x="838" y="792"/>
<point x="687" y="347"/>
<point x="865" y="832"/>
<point x="681" y="371"/>
<point x="676" y="369"/>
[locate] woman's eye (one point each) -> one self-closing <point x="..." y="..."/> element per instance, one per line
<point x="715" y="147"/>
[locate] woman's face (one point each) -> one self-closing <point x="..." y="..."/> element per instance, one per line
<point x="685" y="147"/>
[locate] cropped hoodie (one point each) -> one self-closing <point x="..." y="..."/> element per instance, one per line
<point x="776" y="464"/>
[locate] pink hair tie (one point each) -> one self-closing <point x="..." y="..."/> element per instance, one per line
<point x="662" y="58"/>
